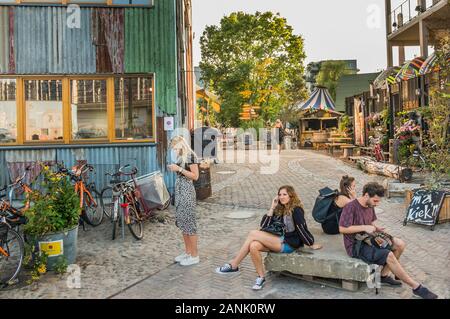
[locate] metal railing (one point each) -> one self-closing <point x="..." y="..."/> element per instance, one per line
<point x="407" y="11"/>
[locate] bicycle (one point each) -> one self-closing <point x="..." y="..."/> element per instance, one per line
<point x="11" y="241"/>
<point x="377" y="150"/>
<point x="123" y="195"/>
<point x="88" y="205"/>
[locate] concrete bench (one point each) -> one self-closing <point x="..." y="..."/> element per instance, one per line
<point x="331" y="146"/>
<point x="348" y="150"/>
<point x="329" y="266"/>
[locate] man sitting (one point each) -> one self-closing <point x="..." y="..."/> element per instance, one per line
<point x="359" y="217"/>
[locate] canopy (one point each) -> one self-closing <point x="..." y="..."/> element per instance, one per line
<point x="410" y="69"/>
<point x="430" y="64"/>
<point x="320" y="100"/>
<point x="386" y="77"/>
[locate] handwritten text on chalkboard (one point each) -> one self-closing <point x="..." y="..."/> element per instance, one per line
<point x="425" y="206"/>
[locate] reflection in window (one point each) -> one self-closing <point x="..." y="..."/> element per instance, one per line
<point x="89" y="109"/>
<point x="133" y="108"/>
<point x="44" y="112"/>
<point x="8" y="115"/>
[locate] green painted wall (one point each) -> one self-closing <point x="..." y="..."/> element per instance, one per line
<point x="150" y="46"/>
<point x="350" y="85"/>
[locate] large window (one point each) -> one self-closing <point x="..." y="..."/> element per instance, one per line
<point x="44" y="110"/>
<point x="8" y="113"/>
<point x="78" y="109"/>
<point x="133" y="109"/>
<point x="89" y="109"/>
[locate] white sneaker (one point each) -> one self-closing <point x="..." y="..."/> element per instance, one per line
<point x="188" y="261"/>
<point x="181" y="257"/>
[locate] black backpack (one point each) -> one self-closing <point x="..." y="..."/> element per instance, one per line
<point x="323" y="203"/>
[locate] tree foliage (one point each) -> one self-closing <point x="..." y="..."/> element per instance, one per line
<point x="329" y="75"/>
<point x="253" y="59"/>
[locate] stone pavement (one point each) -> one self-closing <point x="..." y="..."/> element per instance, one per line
<point x="131" y="269"/>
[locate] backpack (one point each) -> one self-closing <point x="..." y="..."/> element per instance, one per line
<point x="323" y="203"/>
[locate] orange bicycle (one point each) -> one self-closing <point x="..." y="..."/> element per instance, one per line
<point x="90" y="210"/>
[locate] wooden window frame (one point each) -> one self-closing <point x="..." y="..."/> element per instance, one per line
<point x="66" y="104"/>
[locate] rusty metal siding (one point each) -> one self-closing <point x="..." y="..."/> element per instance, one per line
<point x="46" y="45"/>
<point x="150" y="46"/>
<point x="7" y="63"/>
<point x="4" y="174"/>
<point x="108" y="31"/>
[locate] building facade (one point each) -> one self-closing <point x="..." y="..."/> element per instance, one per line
<point x="92" y="81"/>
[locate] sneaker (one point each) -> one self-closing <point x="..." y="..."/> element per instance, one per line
<point x="189" y="260"/>
<point x="259" y="283"/>
<point x="181" y="257"/>
<point x="226" y="269"/>
<point x="424" y="293"/>
<point x="390" y="281"/>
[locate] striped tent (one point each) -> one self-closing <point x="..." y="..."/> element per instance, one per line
<point x="386" y="77"/>
<point x="430" y="64"/>
<point x="410" y="69"/>
<point x="320" y="100"/>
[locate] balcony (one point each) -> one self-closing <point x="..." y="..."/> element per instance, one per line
<point x="404" y="19"/>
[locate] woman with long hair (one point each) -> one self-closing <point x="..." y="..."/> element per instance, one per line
<point x="281" y="134"/>
<point x="287" y="209"/>
<point x="347" y="193"/>
<point x="186" y="168"/>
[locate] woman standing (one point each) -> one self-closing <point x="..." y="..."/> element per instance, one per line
<point x="281" y="134"/>
<point x="288" y="210"/>
<point x="186" y="168"/>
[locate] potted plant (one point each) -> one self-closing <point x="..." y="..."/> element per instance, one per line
<point x="52" y="220"/>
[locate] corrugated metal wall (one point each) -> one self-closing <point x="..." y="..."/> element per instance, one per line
<point x="104" y="159"/>
<point x="45" y="43"/>
<point x="150" y="46"/>
<point x="6" y="40"/>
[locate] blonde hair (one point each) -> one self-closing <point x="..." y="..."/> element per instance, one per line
<point x="294" y="201"/>
<point x="179" y="142"/>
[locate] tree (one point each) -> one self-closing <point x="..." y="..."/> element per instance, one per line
<point x="253" y="59"/>
<point x="329" y="75"/>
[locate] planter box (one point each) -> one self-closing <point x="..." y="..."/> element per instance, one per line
<point x="59" y="244"/>
<point x="444" y="214"/>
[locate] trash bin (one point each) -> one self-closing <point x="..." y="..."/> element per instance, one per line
<point x="203" y="184"/>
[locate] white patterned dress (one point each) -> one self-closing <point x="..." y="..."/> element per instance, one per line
<point x="186" y="202"/>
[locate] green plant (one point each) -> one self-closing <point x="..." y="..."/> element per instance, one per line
<point x="344" y="124"/>
<point x="61" y="265"/>
<point x="55" y="208"/>
<point x="35" y="262"/>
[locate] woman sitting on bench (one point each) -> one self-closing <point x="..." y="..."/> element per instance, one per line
<point x="347" y="193"/>
<point x="283" y="230"/>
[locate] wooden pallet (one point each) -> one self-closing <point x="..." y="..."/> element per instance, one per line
<point x="349" y="285"/>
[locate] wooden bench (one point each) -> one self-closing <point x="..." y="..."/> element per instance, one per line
<point x="348" y="150"/>
<point x="331" y="146"/>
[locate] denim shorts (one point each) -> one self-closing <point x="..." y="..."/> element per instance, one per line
<point x="285" y="247"/>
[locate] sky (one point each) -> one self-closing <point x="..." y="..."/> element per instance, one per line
<point x="349" y="29"/>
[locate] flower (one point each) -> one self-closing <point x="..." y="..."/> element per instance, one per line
<point x="42" y="269"/>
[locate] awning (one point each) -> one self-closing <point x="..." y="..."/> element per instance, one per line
<point x="319" y="100"/>
<point x="430" y="64"/>
<point x="410" y="70"/>
<point x="386" y="77"/>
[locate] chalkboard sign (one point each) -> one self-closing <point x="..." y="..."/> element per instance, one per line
<point x="425" y="207"/>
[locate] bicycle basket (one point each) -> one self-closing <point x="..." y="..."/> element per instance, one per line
<point x="153" y="190"/>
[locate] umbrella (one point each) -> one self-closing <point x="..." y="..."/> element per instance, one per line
<point x="320" y="100"/>
<point x="410" y="69"/>
<point x="386" y="77"/>
<point x="430" y="64"/>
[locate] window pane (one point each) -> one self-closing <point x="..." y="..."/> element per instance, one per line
<point x="89" y="109"/>
<point x="133" y="110"/>
<point x="44" y="115"/>
<point x="8" y="115"/>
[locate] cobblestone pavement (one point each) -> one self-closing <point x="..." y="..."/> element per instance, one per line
<point x="130" y="269"/>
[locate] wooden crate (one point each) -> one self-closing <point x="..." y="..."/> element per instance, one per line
<point x="444" y="215"/>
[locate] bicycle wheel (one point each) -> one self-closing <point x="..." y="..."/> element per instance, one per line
<point x="106" y="201"/>
<point x="92" y="212"/>
<point x="11" y="254"/>
<point x="135" y="225"/>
